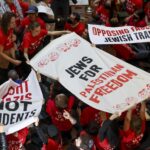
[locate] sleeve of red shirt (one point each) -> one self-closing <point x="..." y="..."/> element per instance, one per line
<point x="81" y="29"/>
<point x="42" y="23"/>
<point x="23" y="24"/>
<point x="44" y="32"/>
<point x="71" y="102"/>
<point x="67" y="26"/>
<point x="85" y="116"/>
<point x="23" y="133"/>
<point x="24" y="6"/>
<point x="98" y="10"/>
<point x="49" y="107"/>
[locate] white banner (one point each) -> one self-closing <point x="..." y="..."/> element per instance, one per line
<point x="80" y="2"/>
<point x="118" y="35"/>
<point x="20" y="103"/>
<point x="94" y="76"/>
<point x="45" y="9"/>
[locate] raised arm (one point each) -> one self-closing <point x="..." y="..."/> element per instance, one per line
<point x="57" y="32"/>
<point x="142" y="110"/>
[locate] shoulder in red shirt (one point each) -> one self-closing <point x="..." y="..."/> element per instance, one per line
<point x="79" y="29"/>
<point x="133" y="5"/>
<point x="32" y="43"/>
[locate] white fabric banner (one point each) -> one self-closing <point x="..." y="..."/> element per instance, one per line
<point x="94" y="76"/>
<point x="45" y="9"/>
<point x="20" y="104"/>
<point x="118" y="35"/>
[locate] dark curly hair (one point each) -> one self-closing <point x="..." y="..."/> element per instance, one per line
<point x="5" y="22"/>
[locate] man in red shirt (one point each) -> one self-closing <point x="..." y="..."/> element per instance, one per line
<point x="16" y="140"/>
<point x="134" y="5"/>
<point x="60" y="110"/>
<point x="33" y="39"/>
<point x="55" y="109"/>
<point x="74" y="24"/>
<point x="32" y="17"/>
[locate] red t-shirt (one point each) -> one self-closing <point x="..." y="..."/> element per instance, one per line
<point x="124" y="51"/>
<point x="79" y="29"/>
<point x="104" y="14"/>
<point x="140" y="23"/>
<point x="53" y="145"/>
<point x="89" y="114"/>
<point x="26" y="22"/>
<point x="57" y="116"/>
<point x="32" y="43"/>
<point x="24" y="6"/>
<point x="15" y="143"/>
<point x="133" y="5"/>
<point x="104" y="145"/>
<point x="6" y="40"/>
<point x="130" y="140"/>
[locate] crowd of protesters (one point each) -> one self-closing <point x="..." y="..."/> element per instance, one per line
<point x="65" y="122"/>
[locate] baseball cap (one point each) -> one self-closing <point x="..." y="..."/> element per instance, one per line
<point x="32" y="9"/>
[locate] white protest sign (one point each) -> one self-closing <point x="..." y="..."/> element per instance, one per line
<point x="45" y="9"/>
<point x="20" y="104"/>
<point x="118" y="35"/>
<point x="80" y="2"/>
<point x="94" y="76"/>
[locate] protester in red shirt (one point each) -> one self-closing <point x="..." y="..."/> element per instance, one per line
<point x="16" y="140"/>
<point x="74" y="24"/>
<point x="134" y="5"/>
<point x="109" y="138"/>
<point x="60" y="110"/>
<point x="137" y="19"/>
<point x="133" y="129"/>
<point x="32" y="40"/>
<point x="7" y="44"/>
<point x="32" y="17"/>
<point x="89" y="114"/>
<point x="55" y="109"/>
<point x="124" y="51"/>
<point x="104" y="15"/>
